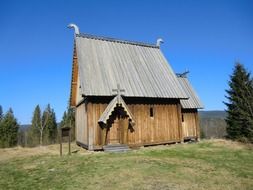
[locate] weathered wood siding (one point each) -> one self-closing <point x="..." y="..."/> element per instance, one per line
<point x="75" y="76"/>
<point x="190" y="123"/>
<point x="78" y="94"/>
<point x="163" y="127"/>
<point x="96" y="133"/>
<point x="81" y="124"/>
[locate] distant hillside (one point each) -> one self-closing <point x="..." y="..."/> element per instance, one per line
<point x="213" y="114"/>
<point x="212" y="124"/>
<point x="24" y="127"/>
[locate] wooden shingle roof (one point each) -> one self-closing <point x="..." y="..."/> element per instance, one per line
<point x="193" y="102"/>
<point x="139" y="68"/>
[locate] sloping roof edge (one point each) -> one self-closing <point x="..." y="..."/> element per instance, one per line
<point x="74" y="74"/>
<point x="194" y="101"/>
<point x="103" y="38"/>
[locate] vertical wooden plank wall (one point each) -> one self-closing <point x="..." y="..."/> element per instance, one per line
<point x="197" y="125"/>
<point x="161" y="128"/>
<point x="81" y="124"/>
<point x="190" y="124"/>
<point x="96" y="133"/>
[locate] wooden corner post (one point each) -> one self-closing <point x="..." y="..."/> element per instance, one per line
<point x="180" y="126"/>
<point x="197" y="127"/>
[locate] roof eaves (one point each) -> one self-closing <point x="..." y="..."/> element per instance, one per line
<point x="90" y="36"/>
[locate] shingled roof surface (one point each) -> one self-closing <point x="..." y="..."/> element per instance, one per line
<point x="139" y="68"/>
<point x="193" y="102"/>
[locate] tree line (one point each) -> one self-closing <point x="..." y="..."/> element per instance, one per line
<point x="8" y="128"/>
<point x="43" y="130"/>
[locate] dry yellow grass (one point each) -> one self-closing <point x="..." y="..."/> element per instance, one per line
<point x="230" y="144"/>
<point x="208" y="165"/>
<point x="22" y="152"/>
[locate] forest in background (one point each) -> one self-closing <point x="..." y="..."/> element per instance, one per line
<point x="43" y="130"/>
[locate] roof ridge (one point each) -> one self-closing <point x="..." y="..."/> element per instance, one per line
<point x="103" y="38"/>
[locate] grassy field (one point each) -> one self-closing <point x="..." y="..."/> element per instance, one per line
<point x="214" y="164"/>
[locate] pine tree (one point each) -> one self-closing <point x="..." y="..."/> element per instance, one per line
<point x="34" y="132"/>
<point x="64" y="119"/>
<point x="68" y="120"/>
<point x="50" y="133"/>
<point x="9" y="130"/>
<point x="1" y="113"/>
<point x="240" y="105"/>
<point x="1" y="128"/>
<point x="71" y="121"/>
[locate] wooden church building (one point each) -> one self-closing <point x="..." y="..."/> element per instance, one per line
<point x="125" y="92"/>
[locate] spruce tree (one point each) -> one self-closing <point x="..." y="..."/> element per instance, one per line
<point x="240" y="105"/>
<point x="9" y="130"/>
<point x="1" y="113"/>
<point x="50" y="133"/>
<point x="71" y="122"/>
<point x="68" y="120"/>
<point x="64" y="120"/>
<point x="34" y="132"/>
<point x="1" y="128"/>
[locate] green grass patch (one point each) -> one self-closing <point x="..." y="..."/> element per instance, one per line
<point x="205" y="165"/>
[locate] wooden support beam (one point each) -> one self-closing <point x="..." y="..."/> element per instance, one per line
<point x="197" y="126"/>
<point x="180" y="126"/>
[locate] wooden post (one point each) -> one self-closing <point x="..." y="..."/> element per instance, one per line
<point x="60" y="142"/>
<point x="64" y="133"/>
<point x="197" y="126"/>
<point x="180" y="126"/>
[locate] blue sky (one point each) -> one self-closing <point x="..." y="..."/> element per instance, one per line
<point x="36" y="48"/>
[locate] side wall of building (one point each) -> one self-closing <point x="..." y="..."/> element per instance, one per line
<point x="190" y="123"/>
<point x="81" y="125"/>
<point x="161" y="128"/>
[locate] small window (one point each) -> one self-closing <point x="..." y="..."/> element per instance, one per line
<point x="182" y="117"/>
<point x="151" y="112"/>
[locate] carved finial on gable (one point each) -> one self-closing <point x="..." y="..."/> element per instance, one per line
<point x="75" y="28"/>
<point x="184" y="74"/>
<point x="159" y="41"/>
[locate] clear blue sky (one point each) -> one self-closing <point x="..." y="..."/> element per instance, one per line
<point x="36" y="48"/>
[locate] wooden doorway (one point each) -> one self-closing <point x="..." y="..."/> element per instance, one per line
<point x="118" y="132"/>
<point x="114" y="132"/>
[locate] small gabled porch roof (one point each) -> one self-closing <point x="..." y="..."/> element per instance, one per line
<point x="117" y="101"/>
